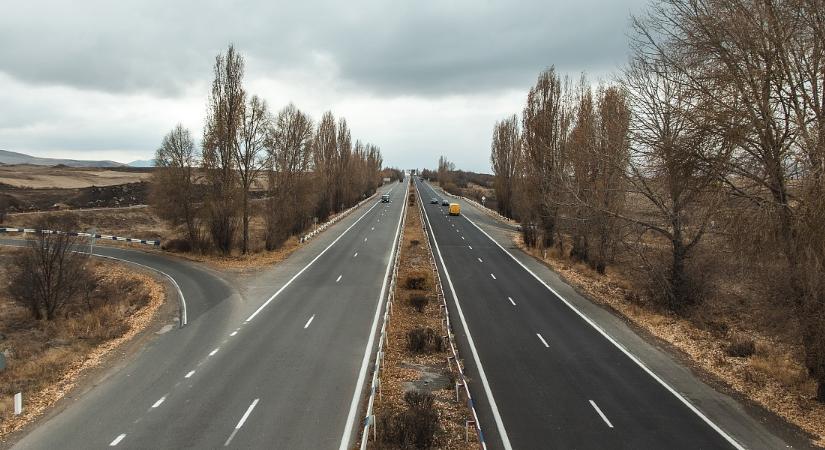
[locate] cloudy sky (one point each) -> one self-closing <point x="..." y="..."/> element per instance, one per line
<point x="106" y="79"/>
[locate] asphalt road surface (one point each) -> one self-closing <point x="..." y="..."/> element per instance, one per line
<point x="281" y="366"/>
<point x="542" y="376"/>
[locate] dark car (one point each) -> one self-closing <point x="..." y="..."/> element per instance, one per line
<point x="433" y="201"/>
<point x="385" y="198"/>
<point x="444" y="202"/>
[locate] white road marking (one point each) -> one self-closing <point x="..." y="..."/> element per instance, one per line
<point x="616" y="344"/>
<point x="494" y="277"/>
<point x="471" y="247"/>
<point x="189" y="375"/>
<point x="373" y="229"/>
<point x="233" y="333"/>
<point x="596" y="407"/>
<point x="339" y="278"/>
<point x="309" y="322"/>
<point x="462" y="238"/>
<point x="240" y="422"/>
<point x="159" y="402"/>
<point x="117" y="440"/>
<point x="212" y="353"/>
<point x="479" y="260"/>
<point x="270" y="299"/>
<point x="505" y="441"/>
<point x="542" y="340"/>
<point x="362" y="373"/>
<point x="365" y="239"/>
<point x="511" y="301"/>
<point x="356" y="254"/>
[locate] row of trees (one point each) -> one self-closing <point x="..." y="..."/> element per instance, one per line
<point x="306" y="171"/>
<point x="713" y="132"/>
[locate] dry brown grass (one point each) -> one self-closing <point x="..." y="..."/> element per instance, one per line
<point x="401" y="366"/>
<point x="46" y="358"/>
<point x="39" y="177"/>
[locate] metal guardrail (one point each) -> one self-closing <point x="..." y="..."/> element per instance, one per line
<point x="105" y="237"/>
<point x="334" y="219"/>
<point x="448" y="328"/>
<point x="375" y="385"/>
<point x="489" y="211"/>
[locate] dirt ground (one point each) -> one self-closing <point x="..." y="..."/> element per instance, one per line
<point x="61" y="177"/>
<point x="404" y="370"/>
<point x="45" y="359"/>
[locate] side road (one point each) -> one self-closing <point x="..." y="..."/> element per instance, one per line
<point x="749" y="426"/>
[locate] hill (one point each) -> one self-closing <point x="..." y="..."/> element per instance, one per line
<point x="10" y="158"/>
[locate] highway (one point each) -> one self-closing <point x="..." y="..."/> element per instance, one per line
<point x="277" y="362"/>
<point x="546" y="376"/>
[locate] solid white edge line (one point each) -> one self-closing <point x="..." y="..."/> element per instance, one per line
<point x="309" y="321"/>
<point x="621" y="348"/>
<point x="117" y="440"/>
<point x="542" y="340"/>
<point x="268" y="301"/>
<point x="362" y="373"/>
<point x="499" y="424"/>
<point x="596" y="407"/>
<point x="241" y="422"/>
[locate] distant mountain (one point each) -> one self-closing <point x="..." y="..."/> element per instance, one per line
<point x="7" y="157"/>
<point x="142" y="163"/>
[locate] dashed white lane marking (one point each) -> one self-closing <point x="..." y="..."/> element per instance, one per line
<point x="365" y="239"/>
<point x="462" y="238"/>
<point x="339" y="278"/>
<point x="356" y="254"/>
<point x="494" y="277"/>
<point x="542" y="340"/>
<point x="471" y="247"/>
<point x="241" y="422"/>
<point x="189" y="375"/>
<point x="212" y="353"/>
<point x="511" y="301"/>
<point x="117" y="440"/>
<point x="309" y="321"/>
<point x="159" y="402"/>
<point x="596" y="407"/>
<point x="373" y="229"/>
<point x="479" y="260"/>
<point x="233" y="333"/>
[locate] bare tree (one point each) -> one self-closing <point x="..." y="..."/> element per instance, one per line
<point x="250" y="157"/>
<point x="223" y="124"/>
<point x="504" y="156"/>
<point x="324" y="157"/>
<point x="174" y="181"/>
<point x="48" y="274"/>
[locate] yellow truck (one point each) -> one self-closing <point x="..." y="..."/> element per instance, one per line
<point x="455" y="209"/>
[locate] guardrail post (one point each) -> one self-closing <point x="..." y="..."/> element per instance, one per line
<point x="18" y="403"/>
<point x="457" y="390"/>
<point x="467" y="430"/>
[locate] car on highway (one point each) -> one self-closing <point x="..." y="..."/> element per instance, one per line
<point x="455" y="209"/>
<point x="445" y="203"/>
<point x="433" y="201"/>
<point x="385" y="198"/>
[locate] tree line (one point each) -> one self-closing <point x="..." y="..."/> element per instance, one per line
<point x="304" y="171"/>
<point x="711" y="136"/>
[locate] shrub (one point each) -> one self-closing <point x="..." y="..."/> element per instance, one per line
<point x="419" y="302"/>
<point x="417" y="281"/>
<point x="414" y="427"/>
<point x="423" y="340"/>
<point x="741" y="347"/>
<point x="414" y="242"/>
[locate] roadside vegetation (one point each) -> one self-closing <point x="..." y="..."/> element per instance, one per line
<point x="61" y="313"/>
<point x="417" y="406"/>
<point x="689" y="193"/>
<point x="258" y="177"/>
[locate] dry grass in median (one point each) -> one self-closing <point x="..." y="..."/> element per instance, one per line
<point x="417" y="407"/>
<point x="45" y="358"/>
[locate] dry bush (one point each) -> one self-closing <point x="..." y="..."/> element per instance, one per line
<point x="418" y="280"/>
<point x="424" y="340"/>
<point x="177" y="245"/>
<point x="412" y="428"/>
<point x="419" y="302"/>
<point x="741" y="346"/>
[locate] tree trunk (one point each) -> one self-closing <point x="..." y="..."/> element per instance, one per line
<point x="245" y="245"/>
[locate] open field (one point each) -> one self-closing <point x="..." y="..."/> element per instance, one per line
<point x="61" y="177"/>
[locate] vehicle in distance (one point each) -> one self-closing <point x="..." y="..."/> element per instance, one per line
<point x="385" y="198"/>
<point x="445" y="203"/>
<point x="433" y="201"/>
<point x="455" y="209"/>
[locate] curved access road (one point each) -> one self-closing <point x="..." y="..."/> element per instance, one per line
<point x="275" y="360"/>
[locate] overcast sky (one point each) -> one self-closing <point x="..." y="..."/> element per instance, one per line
<point x="107" y="79"/>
